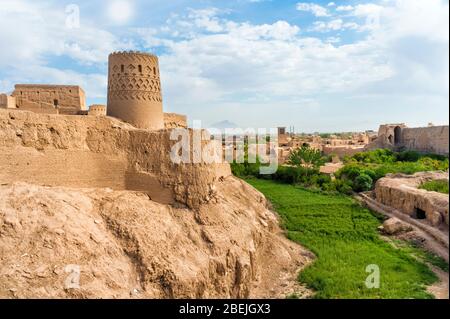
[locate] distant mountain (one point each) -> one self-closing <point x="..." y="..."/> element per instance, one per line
<point x="224" y="124"/>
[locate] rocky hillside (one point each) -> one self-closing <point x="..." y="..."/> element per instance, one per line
<point x="77" y="237"/>
<point x="127" y="245"/>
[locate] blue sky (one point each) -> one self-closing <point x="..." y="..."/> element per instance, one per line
<point x="316" y="65"/>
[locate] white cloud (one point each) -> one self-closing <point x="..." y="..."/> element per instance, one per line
<point x="120" y="11"/>
<point x="206" y="19"/>
<point x="413" y="18"/>
<point x="40" y="34"/>
<point x="415" y="37"/>
<point x="262" y="65"/>
<point x="315" y="9"/>
<point x="367" y="9"/>
<point x="333" y="25"/>
<point x="42" y="31"/>
<point x="344" y="8"/>
<point x="333" y="40"/>
<point x="331" y="4"/>
<point x="267" y="61"/>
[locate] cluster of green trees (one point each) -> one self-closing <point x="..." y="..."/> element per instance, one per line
<point x="303" y="168"/>
<point x="359" y="173"/>
<point x="383" y="156"/>
<point x="362" y="170"/>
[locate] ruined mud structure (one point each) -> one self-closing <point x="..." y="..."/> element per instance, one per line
<point x="97" y="110"/>
<point x="138" y="225"/>
<point x="7" y="101"/>
<point x="102" y="195"/>
<point x="431" y="139"/>
<point x="50" y="99"/>
<point x="402" y="192"/>
<point x="415" y="215"/>
<point x="85" y="151"/>
<point x="173" y="120"/>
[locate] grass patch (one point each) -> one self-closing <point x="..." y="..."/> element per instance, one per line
<point x="422" y="254"/>
<point x="435" y="260"/>
<point x="440" y="186"/>
<point x="344" y="237"/>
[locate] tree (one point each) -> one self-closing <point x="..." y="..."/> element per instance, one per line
<point x="363" y="183"/>
<point x="306" y="157"/>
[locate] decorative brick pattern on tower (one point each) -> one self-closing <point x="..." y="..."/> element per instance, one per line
<point x="134" y="89"/>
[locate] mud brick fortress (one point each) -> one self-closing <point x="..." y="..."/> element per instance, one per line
<point x="77" y="186"/>
<point x="46" y="99"/>
<point x="134" y="95"/>
<point x="94" y="146"/>
<point x="431" y="139"/>
<point x="51" y="99"/>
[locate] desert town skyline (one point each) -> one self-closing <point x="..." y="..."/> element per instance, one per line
<point x="223" y="125"/>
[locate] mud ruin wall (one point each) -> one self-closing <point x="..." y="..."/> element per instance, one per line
<point x="97" y="110"/>
<point x="134" y="89"/>
<point x="173" y="120"/>
<point x="50" y="99"/>
<point x="341" y="151"/>
<point x="432" y="139"/>
<point x="402" y="192"/>
<point x="97" y="151"/>
<point x="7" y="101"/>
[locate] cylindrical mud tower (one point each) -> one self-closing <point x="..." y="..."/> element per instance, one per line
<point x="134" y="89"/>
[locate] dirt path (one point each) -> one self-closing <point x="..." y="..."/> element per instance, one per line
<point x="439" y="289"/>
<point x="435" y="240"/>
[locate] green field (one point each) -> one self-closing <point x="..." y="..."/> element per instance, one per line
<point x="344" y="237"/>
<point x="436" y="186"/>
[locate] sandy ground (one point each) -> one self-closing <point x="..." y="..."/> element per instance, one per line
<point x="439" y="289"/>
<point x="121" y="244"/>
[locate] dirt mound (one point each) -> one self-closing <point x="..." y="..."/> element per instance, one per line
<point x="100" y="243"/>
<point x="91" y="207"/>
